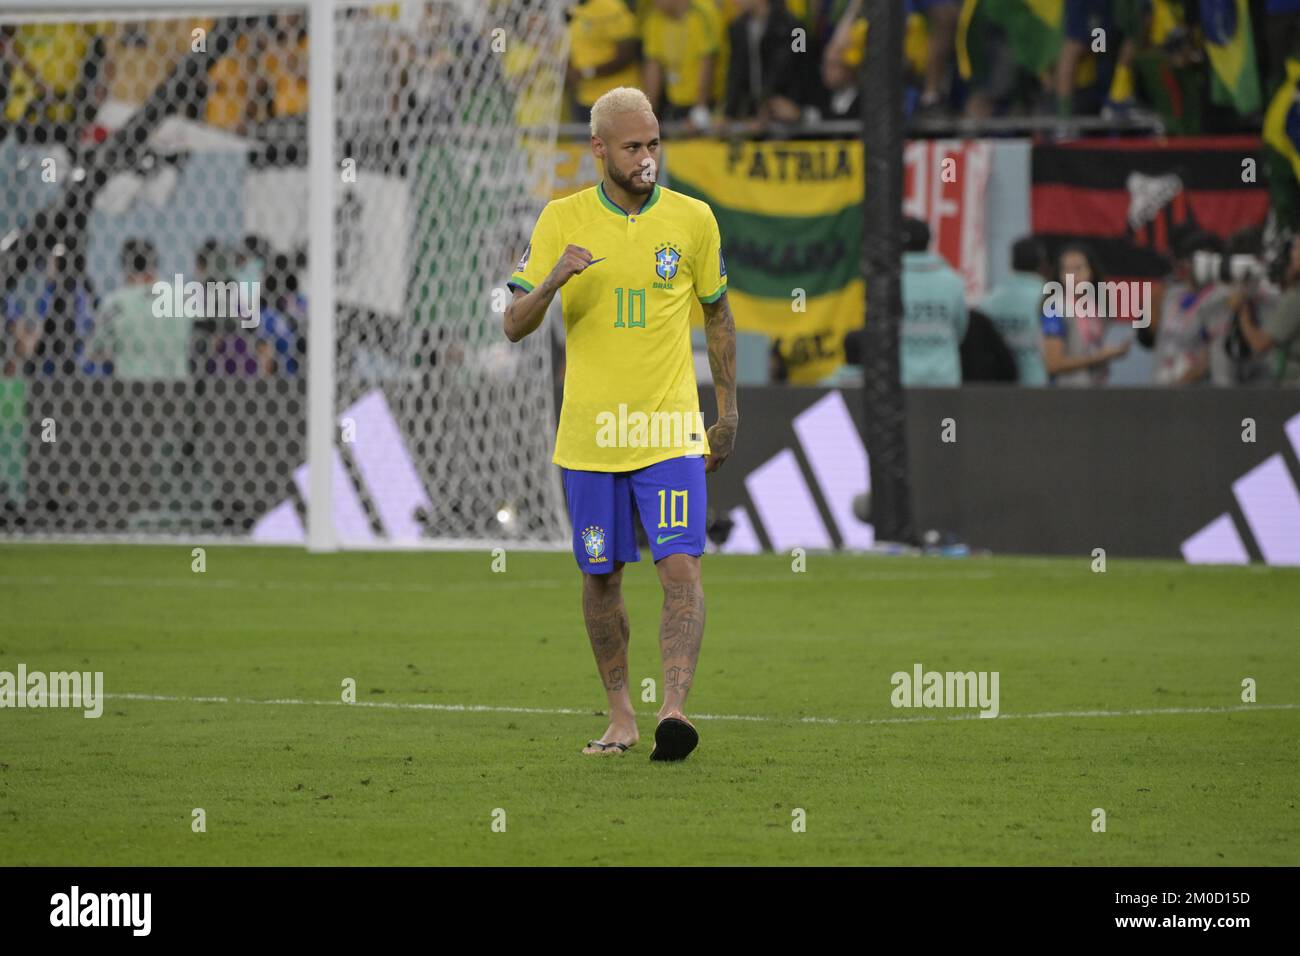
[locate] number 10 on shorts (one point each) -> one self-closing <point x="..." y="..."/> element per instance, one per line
<point x="666" y="505"/>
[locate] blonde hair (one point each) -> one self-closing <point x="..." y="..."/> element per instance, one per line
<point x="621" y="99"/>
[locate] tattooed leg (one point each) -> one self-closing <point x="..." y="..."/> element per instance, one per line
<point x="608" y="630"/>
<point x="681" y="628"/>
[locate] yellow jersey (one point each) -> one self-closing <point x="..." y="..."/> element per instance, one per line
<point x="630" y="396"/>
<point x="53" y="54"/>
<point x="595" y="30"/>
<point x="537" y="98"/>
<point x="680" y="45"/>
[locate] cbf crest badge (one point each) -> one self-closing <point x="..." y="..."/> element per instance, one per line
<point x="593" y="539"/>
<point x="666" y="260"/>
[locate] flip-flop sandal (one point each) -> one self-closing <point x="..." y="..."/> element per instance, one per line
<point x="605" y="747"/>
<point x="674" y="739"/>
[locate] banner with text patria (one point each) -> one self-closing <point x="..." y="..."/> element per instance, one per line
<point x="791" y="220"/>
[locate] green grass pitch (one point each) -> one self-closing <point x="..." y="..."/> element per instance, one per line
<point x="286" y="773"/>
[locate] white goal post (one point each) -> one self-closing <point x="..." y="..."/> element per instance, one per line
<point x="373" y="397"/>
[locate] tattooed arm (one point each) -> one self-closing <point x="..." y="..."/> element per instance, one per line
<point x="720" y="330"/>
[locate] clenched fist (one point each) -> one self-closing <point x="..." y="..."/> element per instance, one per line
<point x="572" y="261"/>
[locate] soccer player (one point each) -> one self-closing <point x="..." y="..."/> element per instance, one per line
<point x="629" y="256"/>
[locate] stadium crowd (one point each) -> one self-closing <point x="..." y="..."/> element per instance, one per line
<point x="712" y="65"/>
<point x="1216" y="319"/>
<point x="705" y="62"/>
<point x="56" y="324"/>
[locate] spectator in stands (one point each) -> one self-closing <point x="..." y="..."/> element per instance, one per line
<point x="269" y="348"/>
<point x="985" y="355"/>
<point x="1130" y="17"/>
<point x="283" y="64"/>
<point x="208" y="261"/>
<point x="65" y="314"/>
<point x="225" y="347"/>
<point x="140" y="54"/>
<point x="377" y="65"/>
<point x="681" y="42"/>
<point x="763" y="75"/>
<point x="1082" y="18"/>
<point x="534" y="87"/>
<point x="22" y="325"/>
<point x="941" y="16"/>
<point x="819" y="20"/>
<point x="282" y="315"/>
<point x="1015" y="306"/>
<point x="51" y="80"/>
<point x="1074" y="346"/>
<point x="131" y="339"/>
<point x="246" y="267"/>
<point x="934" y="313"/>
<point x="842" y="61"/>
<point x="603" y="52"/>
<point x="450" y="68"/>
<point x="1172" y="74"/>
<point x="1276" y="336"/>
<point x="230" y="104"/>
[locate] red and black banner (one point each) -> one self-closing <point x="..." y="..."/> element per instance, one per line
<point x="1127" y="197"/>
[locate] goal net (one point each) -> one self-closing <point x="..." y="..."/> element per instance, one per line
<point x="159" y="267"/>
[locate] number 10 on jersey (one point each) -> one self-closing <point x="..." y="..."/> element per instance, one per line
<point x="635" y="309"/>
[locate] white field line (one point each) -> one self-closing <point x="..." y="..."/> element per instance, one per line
<point x="569" y="711"/>
<point x="196" y="581"/>
<point x="871" y="572"/>
<point x="491" y="581"/>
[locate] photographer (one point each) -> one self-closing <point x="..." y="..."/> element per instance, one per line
<point x="1274" y="332"/>
<point x="1192" y="316"/>
<point x="1234" y="360"/>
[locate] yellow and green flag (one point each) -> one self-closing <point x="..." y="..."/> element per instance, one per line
<point x="1231" y="49"/>
<point x="1035" y="29"/>
<point x="790" y="214"/>
<point x="1282" y="120"/>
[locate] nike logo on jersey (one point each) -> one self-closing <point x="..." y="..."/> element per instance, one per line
<point x="664" y="538"/>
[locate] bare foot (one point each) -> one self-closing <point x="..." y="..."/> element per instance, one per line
<point x="621" y="730"/>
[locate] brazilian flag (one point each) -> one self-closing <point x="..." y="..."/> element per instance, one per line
<point x="1282" y="120"/>
<point x="1231" y="48"/>
<point x="1034" y="28"/>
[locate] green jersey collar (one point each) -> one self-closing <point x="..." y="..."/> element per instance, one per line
<point x="619" y="210"/>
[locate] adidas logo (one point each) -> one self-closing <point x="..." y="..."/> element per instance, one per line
<point x="785" y="505"/>
<point x="786" y="511"/>
<point x="1270" y="507"/>
<point x="387" y="476"/>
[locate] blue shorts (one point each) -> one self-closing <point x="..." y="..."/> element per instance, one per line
<point x="669" y="496"/>
<point x="1083" y="16"/>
